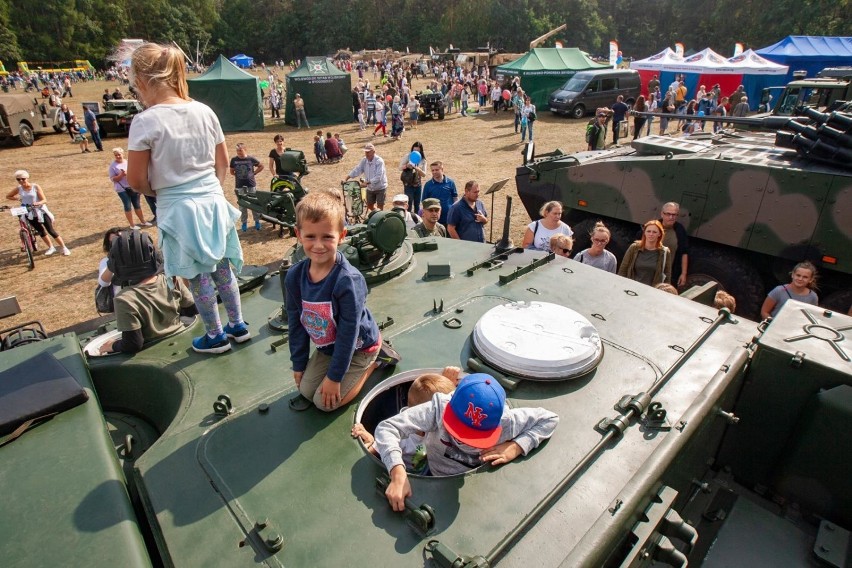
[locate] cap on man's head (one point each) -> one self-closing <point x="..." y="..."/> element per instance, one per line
<point x="400" y="198"/>
<point x="431" y="203"/>
<point x="369" y="148"/>
<point x="474" y="412"/>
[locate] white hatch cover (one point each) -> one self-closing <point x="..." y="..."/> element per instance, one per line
<point x="537" y="340"/>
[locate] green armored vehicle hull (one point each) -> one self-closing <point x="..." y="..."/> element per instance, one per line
<point x="752" y="209"/>
<point x="683" y="428"/>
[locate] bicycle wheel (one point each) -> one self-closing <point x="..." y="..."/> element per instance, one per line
<point x="28" y="247"/>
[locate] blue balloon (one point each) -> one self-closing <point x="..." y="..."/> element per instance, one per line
<point x="83" y="131"/>
<point x="414" y="157"/>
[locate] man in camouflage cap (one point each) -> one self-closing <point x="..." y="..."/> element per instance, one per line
<point x="429" y="225"/>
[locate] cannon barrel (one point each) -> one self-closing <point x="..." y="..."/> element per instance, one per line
<point x="765" y="123"/>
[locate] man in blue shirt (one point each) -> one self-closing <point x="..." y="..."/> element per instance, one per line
<point x="619" y="111"/>
<point x="92" y="125"/>
<point x="466" y="219"/>
<point x="442" y="188"/>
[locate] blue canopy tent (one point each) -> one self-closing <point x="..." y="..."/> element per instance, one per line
<point x="809" y="53"/>
<point x="242" y="60"/>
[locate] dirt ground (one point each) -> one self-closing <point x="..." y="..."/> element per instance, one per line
<point x="60" y="291"/>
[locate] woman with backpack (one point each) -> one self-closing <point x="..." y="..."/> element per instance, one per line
<point x="538" y="233"/>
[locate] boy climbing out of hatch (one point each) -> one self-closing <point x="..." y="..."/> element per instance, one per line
<point x="326" y="305"/>
<point x="462" y="431"/>
<point x="420" y="391"/>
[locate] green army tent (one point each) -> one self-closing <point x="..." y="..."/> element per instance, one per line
<point x="326" y="90"/>
<point x="544" y="69"/>
<point x="233" y="94"/>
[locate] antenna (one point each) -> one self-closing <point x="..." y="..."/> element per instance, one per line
<point x="495" y="187"/>
<point x="505" y="243"/>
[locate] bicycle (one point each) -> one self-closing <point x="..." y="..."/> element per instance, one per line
<point x="353" y="199"/>
<point x="29" y="244"/>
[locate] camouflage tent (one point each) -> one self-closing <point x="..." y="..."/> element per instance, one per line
<point x="326" y="90"/>
<point x="233" y="94"/>
<point x="544" y="69"/>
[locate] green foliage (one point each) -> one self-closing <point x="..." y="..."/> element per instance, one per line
<point x="46" y="30"/>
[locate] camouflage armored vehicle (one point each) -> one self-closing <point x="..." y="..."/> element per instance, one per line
<point x="689" y="437"/>
<point x="117" y="115"/>
<point x="752" y="208"/>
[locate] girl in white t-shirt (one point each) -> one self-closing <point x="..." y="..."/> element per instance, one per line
<point x="176" y="152"/>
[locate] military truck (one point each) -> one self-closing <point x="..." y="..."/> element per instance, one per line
<point x="431" y="105"/>
<point x="752" y="209"/>
<point x="23" y="117"/>
<point x="117" y="115"/>
<point x="685" y="435"/>
<point x="818" y="93"/>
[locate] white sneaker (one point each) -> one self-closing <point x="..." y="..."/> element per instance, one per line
<point x="147" y="224"/>
<point x="50" y="251"/>
<point x="132" y="227"/>
<point x="65" y="251"/>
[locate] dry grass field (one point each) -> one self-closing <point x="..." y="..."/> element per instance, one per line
<point x="59" y="292"/>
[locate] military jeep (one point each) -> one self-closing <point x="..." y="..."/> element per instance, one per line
<point x="431" y="105"/>
<point x="117" y="117"/>
<point x="22" y="117"/>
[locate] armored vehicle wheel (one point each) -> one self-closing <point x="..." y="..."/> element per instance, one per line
<point x="25" y="135"/>
<point x="59" y="128"/>
<point x="733" y="274"/>
<point x="441" y="112"/>
<point x="103" y="132"/>
<point x="578" y="111"/>
<point x="840" y="301"/>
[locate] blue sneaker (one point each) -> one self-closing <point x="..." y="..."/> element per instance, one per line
<point x="238" y="333"/>
<point x="206" y="344"/>
<point x="244" y="227"/>
<point x="257" y="225"/>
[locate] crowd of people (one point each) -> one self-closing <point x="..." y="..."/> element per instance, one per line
<point x="429" y="199"/>
<point x="705" y="103"/>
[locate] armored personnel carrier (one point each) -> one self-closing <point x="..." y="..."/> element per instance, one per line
<point x="686" y="434"/>
<point x="752" y="208"/>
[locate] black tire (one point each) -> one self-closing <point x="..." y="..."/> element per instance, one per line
<point x="579" y="111"/>
<point x="441" y="113"/>
<point x="733" y="274"/>
<point x="102" y="131"/>
<point x="839" y="301"/>
<point x="28" y="248"/>
<point x="25" y="135"/>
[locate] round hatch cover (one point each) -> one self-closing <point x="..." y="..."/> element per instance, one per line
<point x="538" y="340"/>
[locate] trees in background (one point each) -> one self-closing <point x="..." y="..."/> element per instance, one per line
<point x="284" y="29"/>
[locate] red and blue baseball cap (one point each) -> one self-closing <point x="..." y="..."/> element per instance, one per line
<point x="474" y="412"/>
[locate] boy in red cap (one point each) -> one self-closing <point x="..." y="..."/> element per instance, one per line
<point x="462" y="431"/>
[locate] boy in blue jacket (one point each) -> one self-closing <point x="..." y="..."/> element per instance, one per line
<point x="326" y="304"/>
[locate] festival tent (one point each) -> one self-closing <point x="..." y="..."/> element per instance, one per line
<point x="758" y="73"/>
<point x="242" y="60"/>
<point x="709" y="68"/>
<point x="326" y="90"/>
<point x="233" y="94"/>
<point x="544" y="69"/>
<point x="809" y="53"/>
<point x="656" y="65"/>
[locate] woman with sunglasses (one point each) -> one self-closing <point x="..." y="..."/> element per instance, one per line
<point x="597" y="255"/>
<point x="39" y="216"/>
